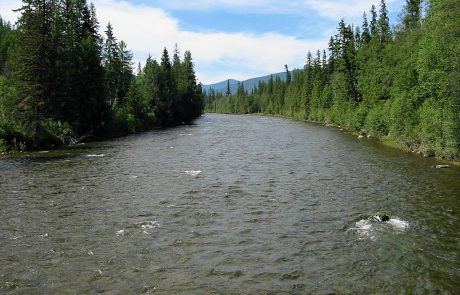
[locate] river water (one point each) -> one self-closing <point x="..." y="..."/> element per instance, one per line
<point x="229" y="205"/>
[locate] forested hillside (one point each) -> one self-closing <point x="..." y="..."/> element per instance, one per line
<point x="399" y="84"/>
<point x="61" y="80"/>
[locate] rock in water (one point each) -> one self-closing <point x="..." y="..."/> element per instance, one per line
<point x="442" y="166"/>
<point x="383" y="217"/>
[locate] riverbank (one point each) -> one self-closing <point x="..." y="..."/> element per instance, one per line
<point x="89" y="137"/>
<point x="362" y="134"/>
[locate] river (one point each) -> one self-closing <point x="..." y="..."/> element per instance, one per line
<point x="229" y="205"/>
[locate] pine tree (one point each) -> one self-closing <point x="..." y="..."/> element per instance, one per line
<point x="366" y="34"/>
<point x="412" y="15"/>
<point x="374" y="24"/>
<point x="166" y="91"/>
<point x="384" y="23"/>
<point x="35" y="61"/>
<point x="288" y="75"/>
<point x="112" y="66"/>
<point x="126" y="72"/>
<point x="228" y="92"/>
<point x="193" y="96"/>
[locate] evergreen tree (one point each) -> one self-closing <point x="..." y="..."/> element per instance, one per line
<point x="288" y="74"/>
<point x="384" y="23"/>
<point x="228" y="92"/>
<point x="374" y="24"/>
<point x="366" y="34"/>
<point x="412" y="15"/>
<point x="35" y="60"/>
<point x="166" y="91"/>
<point x="112" y="65"/>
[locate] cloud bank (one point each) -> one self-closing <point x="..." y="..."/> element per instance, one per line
<point x="217" y="55"/>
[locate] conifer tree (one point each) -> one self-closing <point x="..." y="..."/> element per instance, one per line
<point x="412" y="15"/>
<point x="366" y="34"/>
<point x="374" y="24"/>
<point x="166" y="91"/>
<point x="35" y="60"/>
<point x="228" y="92"/>
<point x="384" y="23"/>
<point x="112" y="66"/>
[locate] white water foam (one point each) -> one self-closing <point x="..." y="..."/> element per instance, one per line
<point x="95" y="155"/>
<point x="369" y="228"/>
<point x="192" y="172"/>
<point x="121" y="232"/>
<point x="398" y="224"/>
<point x="149" y="224"/>
<point x="364" y="229"/>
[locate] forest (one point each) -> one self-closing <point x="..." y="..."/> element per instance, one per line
<point x="400" y="84"/>
<point x="61" y="81"/>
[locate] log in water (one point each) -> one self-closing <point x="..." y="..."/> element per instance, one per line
<point x="232" y="204"/>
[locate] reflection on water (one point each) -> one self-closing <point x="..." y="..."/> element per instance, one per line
<point x="232" y="204"/>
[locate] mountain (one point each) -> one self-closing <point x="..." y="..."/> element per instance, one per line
<point x="248" y="84"/>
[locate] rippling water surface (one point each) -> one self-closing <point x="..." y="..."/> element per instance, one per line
<point x="230" y="205"/>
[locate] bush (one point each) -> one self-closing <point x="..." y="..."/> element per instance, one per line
<point x="438" y="129"/>
<point x="357" y="118"/>
<point x="3" y="146"/>
<point x="125" y="122"/>
<point x="404" y="119"/>
<point x="13" y="137"/>
<point x="376" y="122"/>
<point x="55" y="133"/>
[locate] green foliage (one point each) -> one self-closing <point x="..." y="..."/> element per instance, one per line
<point x="376" y="122"/>
<point x="400" y="85"/>
<point x="56" y="132"/>
<point x="437" y="129"/>
<point x="125" y="122"/>
<point x="61" y="80"/>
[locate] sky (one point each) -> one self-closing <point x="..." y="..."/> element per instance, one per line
<point x="228" y="39"/>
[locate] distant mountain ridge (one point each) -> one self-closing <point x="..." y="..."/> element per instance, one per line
<point x="248" y="84"/>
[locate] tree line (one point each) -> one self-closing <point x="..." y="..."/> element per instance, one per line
<point x="399" y="84"/>
<point x="61" y="80"/>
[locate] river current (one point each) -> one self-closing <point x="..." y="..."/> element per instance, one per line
<point x="229" y="205"/>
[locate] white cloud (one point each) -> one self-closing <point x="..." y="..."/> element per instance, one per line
<point x="217" y="56"/>
<point x="6" y="9"/>
<point x="349" y="9"/>
<point x="333" y="9"/>
<point x="148" y="30"/>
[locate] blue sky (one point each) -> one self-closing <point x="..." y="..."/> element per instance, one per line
<point x="237" y="39"/>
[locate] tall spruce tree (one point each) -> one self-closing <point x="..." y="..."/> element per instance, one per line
<point x="35" y="62"/>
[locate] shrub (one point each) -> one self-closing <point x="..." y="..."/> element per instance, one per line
<point x="55" y="132"/>
<point x="13" y="137"/>
<point x="376" y="121"/>
<point x="438" y="128"/>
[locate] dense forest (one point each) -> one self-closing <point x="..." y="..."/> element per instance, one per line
<point x="61" y="80"/>
<point x="400" y="84"/>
